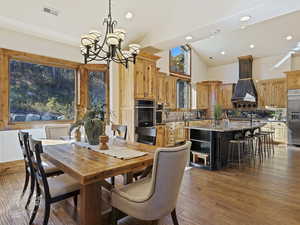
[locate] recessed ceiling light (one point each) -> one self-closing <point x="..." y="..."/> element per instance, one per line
<point x="245" y="18"/>
<point x="188" y="38"/>
<point x="288" y="38"/>
<point x="223" y="53"/>
<point x="129" y="15"/>
<point x="252" y="46"/>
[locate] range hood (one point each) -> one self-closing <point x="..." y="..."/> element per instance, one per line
<point x="244" y="94"/>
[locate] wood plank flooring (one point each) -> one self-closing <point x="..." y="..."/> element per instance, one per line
<point x="266" y="195"/>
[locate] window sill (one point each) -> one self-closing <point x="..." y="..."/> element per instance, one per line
<point x="33" y="124"/>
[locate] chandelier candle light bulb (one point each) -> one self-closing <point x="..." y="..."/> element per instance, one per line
<point x="110" y="48"/>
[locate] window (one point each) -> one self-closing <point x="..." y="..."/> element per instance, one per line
<point x="183" y="94"/>
<point x="97" y="89"/>
<point x="40" y="92"/>
<point x="180" y="60"/>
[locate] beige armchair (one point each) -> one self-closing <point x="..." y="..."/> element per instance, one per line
<point x="152" y="198"/>
<point x="56" y="132"/>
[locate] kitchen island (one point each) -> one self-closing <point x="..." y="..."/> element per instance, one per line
<point x="210" y="142"/>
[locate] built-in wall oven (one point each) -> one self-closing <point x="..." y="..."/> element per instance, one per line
<point x="145" y="117"/>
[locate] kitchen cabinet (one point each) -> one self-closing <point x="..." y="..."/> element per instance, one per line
<point x="272" y="93"/>
<point x="144" y="82"/>
<point x="160" y="135"/>
<point x="208" y="95"/>
<point x="160" y="88"/>
<point x="180" y="132"/>
<point x="170" y="134"/>
<point x="202" y="96"/>
<point x="293" y="79"/>
<point x="136" y="82"/>
<point x="226" y="95"/>
<point x="279" y="129"/>
<point x="170" y="92"/>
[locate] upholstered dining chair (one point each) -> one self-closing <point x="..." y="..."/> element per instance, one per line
<point x="56" y="132"/>
<point x="152" y="198"/>
<point x="50" y="169"/>
<point x="53" y="189"/>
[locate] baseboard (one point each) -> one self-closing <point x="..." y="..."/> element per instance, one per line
<point x="12" y="167"/>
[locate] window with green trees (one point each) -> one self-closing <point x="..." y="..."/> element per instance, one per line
<point x="97" y="89"/>
<point x="180" y="60"/>
<point x="40" y="92"/>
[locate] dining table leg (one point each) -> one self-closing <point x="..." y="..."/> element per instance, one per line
<point x="90" y="204"/>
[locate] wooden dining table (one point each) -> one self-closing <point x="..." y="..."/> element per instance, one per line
<point x="90" y="169"/>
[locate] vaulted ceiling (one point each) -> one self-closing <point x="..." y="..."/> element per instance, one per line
<point x="158" y="23"/>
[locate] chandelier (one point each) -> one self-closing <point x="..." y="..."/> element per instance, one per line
<point x="95" y="47"/>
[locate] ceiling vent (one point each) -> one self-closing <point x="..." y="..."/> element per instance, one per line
<point x="50" y="11"/>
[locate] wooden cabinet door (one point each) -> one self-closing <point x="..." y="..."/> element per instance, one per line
<point x="170" y="134"/>
<point x="160" y="135"/>
<point x="202" y="96"/>
<point x="173" y="83"/>
<point x="180" y="132"/>
<point x="279" y="93"/>
<point x="293" y="80"/>
<point x="262" y="91"/>
<point x="151" y="80"/>
<point x="139" y="79"/>
<point x="170" y="92"/>
<point x="226" y="95"/>
<point x="160" y="88"/>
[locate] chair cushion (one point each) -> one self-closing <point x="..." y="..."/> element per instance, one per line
<point x="62" y="184"/>
<point x="138" y="191"/>
<point x="49" y="167"/>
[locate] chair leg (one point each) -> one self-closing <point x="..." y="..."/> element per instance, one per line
<point x="32" y="185"/>
<point x="27" y="175"/>
<point x="114" y="219"/>
<point x="36" y="206"/>
<point x="75" y="200"/>
<point x="47" y="213"/>
<point x="174" y="217"/>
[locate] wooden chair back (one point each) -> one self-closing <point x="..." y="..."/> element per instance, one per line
<point x="36" y="149"/>
<point x="146" y="135"/>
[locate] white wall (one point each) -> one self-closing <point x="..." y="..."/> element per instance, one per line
<point x="296" y="62"/>
<point x="262" y="69"/>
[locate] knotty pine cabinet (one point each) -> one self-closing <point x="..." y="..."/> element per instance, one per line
<point x="136" y="82"/>
<point x="170" y="134"/>
<point x="293" y="79"/>
<point x="272" y="93"/>
<point x="160" y="88"/>
<point x="144" y="79"/>
<point x="226" y="95"/>
<point x="170" y="90"/>
<point x="202" y="96"/>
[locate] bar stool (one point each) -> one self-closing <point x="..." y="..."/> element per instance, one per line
<point x="239" y="146"/>
<point x="269" y="141"/>
<point x="260" y="146"/>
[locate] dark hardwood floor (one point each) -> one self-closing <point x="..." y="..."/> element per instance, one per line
<point x="266" y="195"/>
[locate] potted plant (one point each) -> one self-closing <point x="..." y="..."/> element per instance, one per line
<point x="94" y="125"/>
<point x="217" y="114"/>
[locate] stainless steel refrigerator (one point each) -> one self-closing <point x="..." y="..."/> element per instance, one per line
<point x="293" y="117"/>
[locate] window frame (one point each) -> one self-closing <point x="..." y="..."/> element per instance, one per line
<point x="181" y="75"/>
<point x="80" y="86"/>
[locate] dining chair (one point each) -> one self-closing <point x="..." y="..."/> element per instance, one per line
<point x="57" y="132"/>
<point x="53" y="189"/>
<point x="146" y="135"/>
<point x="119" y="131"/>
<point x="50" y="169"/>
<point x="154" y="197"/>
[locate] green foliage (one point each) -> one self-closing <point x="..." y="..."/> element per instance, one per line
<point x="94" y="125"/>
<point x="217" y="112"/>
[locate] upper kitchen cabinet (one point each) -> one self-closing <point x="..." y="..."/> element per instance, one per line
<point x="272" y="93"/>
<point x="144" y="78"/>
<point x="170" y="92"/>
<point x="202" y="95"/>
<point x="293" y="79"/>
<point x="160" y="88"/>
<point x="226" y="95"/>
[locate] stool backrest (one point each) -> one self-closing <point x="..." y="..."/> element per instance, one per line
<point x="55" y="132"/>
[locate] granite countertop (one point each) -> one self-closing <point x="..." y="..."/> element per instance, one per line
<point x="233" y="126"/>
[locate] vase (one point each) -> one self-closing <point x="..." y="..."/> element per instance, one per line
<point x="93" y="129"/>
<point x="103" y="142"/>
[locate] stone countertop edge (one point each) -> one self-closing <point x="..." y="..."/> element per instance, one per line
<point x="223" y="129"/>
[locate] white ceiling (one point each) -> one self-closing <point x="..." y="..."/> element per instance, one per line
<point x="158" y="23"/>
<point x="268" y="37"/>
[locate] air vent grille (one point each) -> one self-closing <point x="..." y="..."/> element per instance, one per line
<point x="50" y="11"/>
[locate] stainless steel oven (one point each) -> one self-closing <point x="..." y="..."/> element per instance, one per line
<point x="145" y="117"/>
